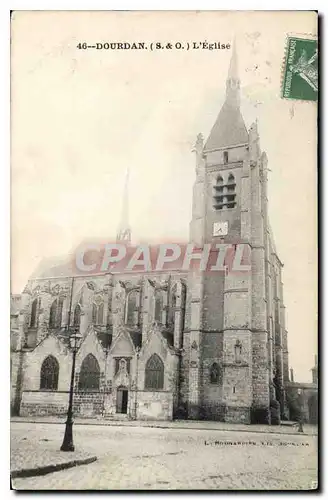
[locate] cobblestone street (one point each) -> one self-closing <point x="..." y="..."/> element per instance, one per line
<point x="151" y="458"/>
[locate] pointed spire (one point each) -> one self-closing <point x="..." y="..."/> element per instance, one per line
<point x="229" y="128"/>
<point x="233" y="68"/>
<point x="124" y="232"/>
<point x="233" y="81"/>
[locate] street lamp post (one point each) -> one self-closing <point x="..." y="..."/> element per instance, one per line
<point x="68" y="445"/>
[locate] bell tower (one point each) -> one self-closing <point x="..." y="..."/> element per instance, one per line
<point x="227" y="344"/>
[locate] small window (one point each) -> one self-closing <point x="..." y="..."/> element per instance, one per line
<point x="238" y="350"/>
<point x="215" y="374"/>
<point x="49" y="374"/>
<point x="225" y="157"/>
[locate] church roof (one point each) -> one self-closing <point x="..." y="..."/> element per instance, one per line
<point x="105" y="337"/>
<point x="136" y="338"/>
<point x="228" y="130"/>
<point x="169" y="337"/>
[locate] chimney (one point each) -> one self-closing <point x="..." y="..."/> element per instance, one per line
<point x="291" y="375"/>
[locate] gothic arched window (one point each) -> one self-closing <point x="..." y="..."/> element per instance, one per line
<point x="131" y="308"/>
<point x="77" y="315"/>
<point x="49" y="374"/>
<point x="215" y="374"/>
<point x="225" y="157"/>
<point x="89" y="374"/>
<point x="154" y="373"/>
<point x="34" y="309"/>
<point x="101" y="314"/>
<point x="56" y="311"/>
<point x="59" y="311"/>
<point x="158" y="306"/>
<point x="98" y="313"/>
<point x="53" y="314"/>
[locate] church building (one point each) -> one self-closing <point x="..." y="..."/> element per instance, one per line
<point x="175" y="344"/>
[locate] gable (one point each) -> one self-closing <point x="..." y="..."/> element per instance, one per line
<point x="51" y="345"/>
<point x="155" y="344"/>
<point x="122" y="346"/>
<point x="91" y="345"/>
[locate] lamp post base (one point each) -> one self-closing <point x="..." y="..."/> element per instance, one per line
<point x="68" y="437"/>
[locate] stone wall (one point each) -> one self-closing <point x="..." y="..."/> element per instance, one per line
<point x="155" y="405"/>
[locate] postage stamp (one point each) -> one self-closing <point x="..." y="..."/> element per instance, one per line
<point x="300" y="77"/>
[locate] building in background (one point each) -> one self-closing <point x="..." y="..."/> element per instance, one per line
<point x="302" y="397"/>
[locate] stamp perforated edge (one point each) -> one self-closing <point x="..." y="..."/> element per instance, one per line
<point x="299" y="36"/>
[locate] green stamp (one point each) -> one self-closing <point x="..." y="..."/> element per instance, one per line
<point x="300" y="79"/>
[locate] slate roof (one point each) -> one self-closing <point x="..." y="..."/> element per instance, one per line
<point x="105" y="337"/>
<point x="136" y="338"/>
<point x="168" y="335"/>
<point x="228" y="130"/>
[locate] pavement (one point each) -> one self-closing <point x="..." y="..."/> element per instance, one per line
<point x="176" y="458"/>
<point x="38" y="456"/>
<point x="284" y="428"/>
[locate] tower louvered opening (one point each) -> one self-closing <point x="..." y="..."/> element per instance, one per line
<point x="225" y="194"/>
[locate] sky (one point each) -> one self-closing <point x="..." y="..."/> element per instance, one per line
<point x="79" y="118"/>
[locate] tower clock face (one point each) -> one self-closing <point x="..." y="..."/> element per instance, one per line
<point x="220" y="228"/>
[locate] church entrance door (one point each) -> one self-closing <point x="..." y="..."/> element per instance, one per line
<point x="122" y="400"/>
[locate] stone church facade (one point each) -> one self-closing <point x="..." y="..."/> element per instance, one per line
<point x="178" y="344"/>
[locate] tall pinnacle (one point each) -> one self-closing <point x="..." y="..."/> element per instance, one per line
<point x="233" y="68"/>
<point x="229" y="129"/>
<point x="233" y="81"/>
<point x="124" y="232"/>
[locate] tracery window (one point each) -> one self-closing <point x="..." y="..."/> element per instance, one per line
<point x="89" y="374"/>
<point x="49" y="374"/>
<point x="98" y="313"/>
<point x="131" y="308"/>
<point x="56" y="311"/>
<point x="158" y="305"/>
<point x="154" y="373"/>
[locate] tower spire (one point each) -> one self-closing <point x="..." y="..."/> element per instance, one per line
<point x="124" y="231"/>
<point x="229" y="129"/>
<point x="233" y="81"/>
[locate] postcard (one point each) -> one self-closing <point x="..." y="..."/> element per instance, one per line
<point x="164" y="250"/>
